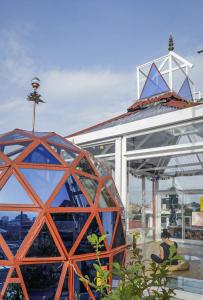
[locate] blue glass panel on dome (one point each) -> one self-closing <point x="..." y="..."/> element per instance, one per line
<point x="43" y="245"/>
<point x="43" y="181"/>
<point x="41" y="280"/>
<point x="59" y="140"/>
<point x="69" y="226"/>
<point x="13" y="291"/>
<point x="108" y="221"/>
<point x="14" y="136"/>
<point x="13" y="193"/>
<point x="90" y="186"/>
<point x="12" y="151"/>
<point x="2" y="162"/>
<point x="119" y="238"/>
<point x="84" y="245"/>
<point x="38" y="134"/>
<point x="185" y="90"/>
<point x="14" y="226"/>
<point x="70" y="195"/>
<point x="154" y="84"/>
<point x="3" y="275"/>
<point x="40" y="155"/>
<point x="105" y="200"/>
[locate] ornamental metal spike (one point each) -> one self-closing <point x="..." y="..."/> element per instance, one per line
<point x="36" y="98"/>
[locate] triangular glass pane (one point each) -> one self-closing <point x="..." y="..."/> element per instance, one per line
<point x="84" y="245"/>
<point x="85" y="166"/>
<point x="4" y="273"/>
<point x="90" y="186"/>
<point x="105" y="199"/>
<point x="41" y="280"/>
<point x="2" y="253"/>
<point x="98" y="165"/>
<point x="13" y="136"/>
<point x="43" y="245"/>
<point x="119" y="238"/>
<point x="69" y="226"/>
<point x="14" y="274"/>
<point x="67" y="155"/>
<point x="14" y="226"/>
<point x="43" y="181"/>
<point x="64" y="292"/>
<point x="112" y="188"/>
<point x="13" y="193"/>
<point x="60" y="141"/>
<point x="118" y="258"/>
<point x="14" y="291"/>
<point x="13" y="151"/>
<point x="185" y="90"/>
<point x="108" y="220"/>
<point x="40" y="155"/>
<point x="87" y="268"/>
<point x="154" y="84"/>
<point x="70" y="195"/>
<point x="39" y="134"/>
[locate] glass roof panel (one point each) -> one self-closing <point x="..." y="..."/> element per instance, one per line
<point x="13" y="193"/>
<point x="155" y="84"/>
<point x="70" y="195"/>
<point x="40" y="155"/>
<point x="14" y="226"/>
<point x="185" y="90"/>
<point x="43" y="181"/>
<point x="98" y="165"/>
<point x="85" y="166"/>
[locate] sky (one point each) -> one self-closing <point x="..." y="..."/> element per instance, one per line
<point x="85" y="53"/>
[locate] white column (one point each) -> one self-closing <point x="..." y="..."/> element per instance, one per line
<point x="158" y="212"/>
<point x="124" y="195"/>
<point x="118" y="163"/>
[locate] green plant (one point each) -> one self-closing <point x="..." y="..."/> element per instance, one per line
<point x="14" y="292"/>
<point x="173" y="255"/>
<point x="139" y="279"/>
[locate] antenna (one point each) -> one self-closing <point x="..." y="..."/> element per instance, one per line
<point x="35" y="97"/>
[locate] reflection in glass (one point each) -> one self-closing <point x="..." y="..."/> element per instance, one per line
<point x="59" y="140"/>
<point x="84" y="245"/>
<point x="3" y="274"/>
<point x="14" y="136"/>
<point x="69" y="226"/>
<point x="66" y="154"/>
<point x="43" y="245"/>
<point x="108" y="221"/>
<point x="13" y="193"/>
<point x="105" y="199"/>
<point x="14" y="226"/>
<point x="101" y="149"/>
<point x="41" y="155"/>
<point x="85" y="166"/>
<point x="70" y="195"/>
<point x="14" y="291"/>
<point x="118" y="258"/>
<point x="90" y="186"/>
<point x="111" y="186"/>
<point x="12" y="151"/>
<point x="43" y="181"/>
<point x="41" y="280"/>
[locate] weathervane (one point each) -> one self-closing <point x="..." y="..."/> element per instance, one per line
<point x="35" y="97"/>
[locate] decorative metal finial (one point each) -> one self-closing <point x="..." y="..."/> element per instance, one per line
<point x="35" y="97"/>
<point x="170" y="43"/>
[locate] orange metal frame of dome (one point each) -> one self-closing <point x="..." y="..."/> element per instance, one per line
<point x="12" y="163"/>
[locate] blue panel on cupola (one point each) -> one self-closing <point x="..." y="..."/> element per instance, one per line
<point x="185" y="90"/>
<point x="40" y="155"/>
<point x="154" y="84"/>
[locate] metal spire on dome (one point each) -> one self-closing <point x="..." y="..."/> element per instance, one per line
<point x="170" y="43"/>
<point x="35" y="97"/>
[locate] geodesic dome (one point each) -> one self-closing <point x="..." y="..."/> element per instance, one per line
<point x="52" y="196"/>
